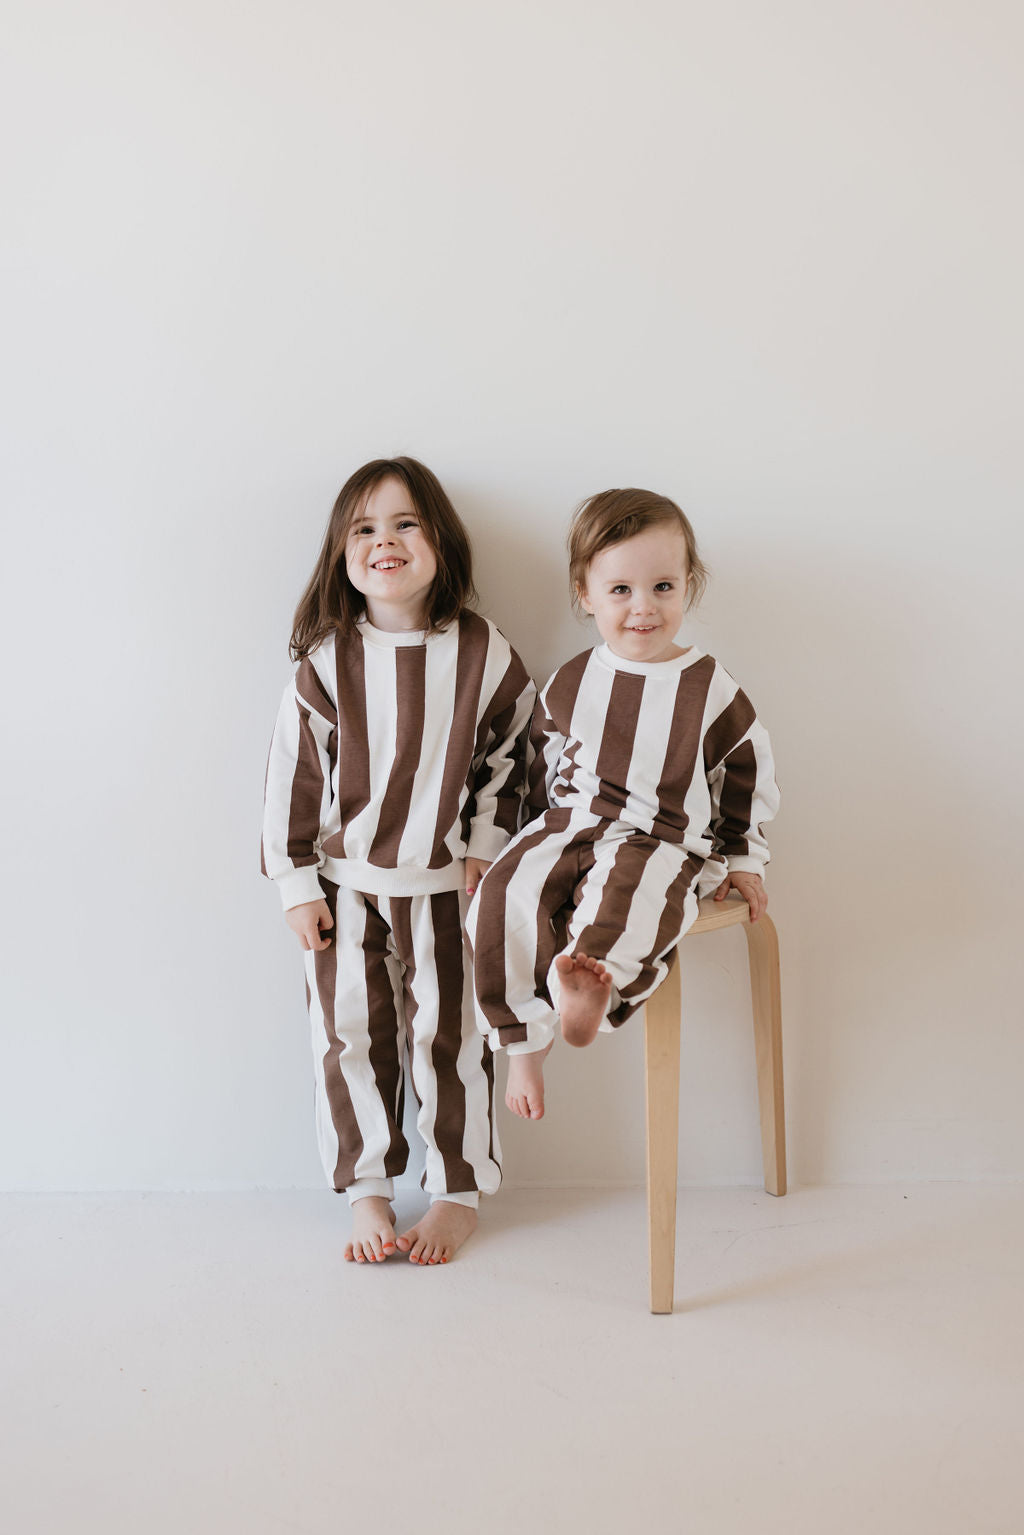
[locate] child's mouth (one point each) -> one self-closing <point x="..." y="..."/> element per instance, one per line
<point x="389" y="565"/>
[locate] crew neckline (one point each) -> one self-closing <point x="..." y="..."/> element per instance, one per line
<point x="607" y="657"/>
<point x="390" y="638"/>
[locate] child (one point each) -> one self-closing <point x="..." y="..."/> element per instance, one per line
<point x="395" y="776"/>
<point x="650" y="779"/>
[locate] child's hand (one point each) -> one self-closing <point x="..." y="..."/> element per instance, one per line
<point x="750" y="887"/>
<point x="476" y="868"/>
<point x="306" y="921"/>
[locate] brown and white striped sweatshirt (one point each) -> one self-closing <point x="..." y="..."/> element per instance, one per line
<point x="671" y="747"/>
<point x="394" y="757"/>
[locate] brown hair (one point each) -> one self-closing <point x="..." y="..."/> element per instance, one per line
<point x="331" y="602"/>
<point x="611" y="517"/>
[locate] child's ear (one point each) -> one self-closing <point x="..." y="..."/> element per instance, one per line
<point x="583" y="600"/>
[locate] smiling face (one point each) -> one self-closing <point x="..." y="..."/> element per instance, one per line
<point x="390" y="559"/>
<point x="636" y="593"/>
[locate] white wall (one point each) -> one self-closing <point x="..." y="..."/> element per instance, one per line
<point x="763" y="258"/>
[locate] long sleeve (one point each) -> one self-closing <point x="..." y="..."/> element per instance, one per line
<point x="744" y="793"/>
<point x="298" y="789"/>
<point x="544" y="750"/>
<point x="499" y="764"/>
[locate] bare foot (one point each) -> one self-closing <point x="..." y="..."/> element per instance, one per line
<point x="373" y="1231"/>
<point x="524" y="1086"/>
<point x="585" y="989"/>
<point x="439" y="1234"/>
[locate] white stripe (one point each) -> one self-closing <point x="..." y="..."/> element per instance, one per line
<point x="438" y="705"/>
<point x="650" y="745"/>
<point x="477" y="1136"/>
<point x="424" y="1031"/>
<point x="587" y="727"/>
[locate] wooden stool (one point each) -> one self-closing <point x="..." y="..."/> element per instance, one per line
<point x="662" y="1027"/>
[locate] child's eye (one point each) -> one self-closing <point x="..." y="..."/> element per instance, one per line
<point x="408" y="522"/>
<point x="619" y="591"/>
<point x="363" y="528"/>
<point x="663" y="586"/>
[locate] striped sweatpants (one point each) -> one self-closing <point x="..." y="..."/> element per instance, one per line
<point x="394" y="989"/>
<point x="572" y="882"/>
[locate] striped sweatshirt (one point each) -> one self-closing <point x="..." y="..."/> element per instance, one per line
<point x="395" y="757"/>
<point x="671" y="747"/>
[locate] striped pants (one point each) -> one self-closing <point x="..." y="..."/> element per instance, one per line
<point x="394" y="987"/>
<point x="572" y="882"/>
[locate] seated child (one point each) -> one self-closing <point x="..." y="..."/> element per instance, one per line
<point x="650" y="781"/>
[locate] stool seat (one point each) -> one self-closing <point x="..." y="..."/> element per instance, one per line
<point x="662" y="1028"/>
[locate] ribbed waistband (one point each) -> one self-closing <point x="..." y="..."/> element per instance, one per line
<point x="407" y="880"/>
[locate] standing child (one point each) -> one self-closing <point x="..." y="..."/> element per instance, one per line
<point x="395" y="777"/>
<point x="650" y="780"/>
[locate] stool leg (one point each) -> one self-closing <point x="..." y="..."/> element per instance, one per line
<point x="662" y="1025"/>
<point x="766" y="997"/>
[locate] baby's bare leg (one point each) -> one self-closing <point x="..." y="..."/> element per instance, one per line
<point x="524" y="1086"/>
<point x="585" y="989"/>
<point x="373" y="1231"/>
<point x="439" y="1234"/>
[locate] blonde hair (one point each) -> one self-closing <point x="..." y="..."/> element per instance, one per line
<point x="611" y="517"/>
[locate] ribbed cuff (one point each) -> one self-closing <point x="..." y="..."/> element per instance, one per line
<point x="371" y="1188"/>
<point x="486" y="842"/>
<point x="744" y="865"/>
<point x="299" y="886"/>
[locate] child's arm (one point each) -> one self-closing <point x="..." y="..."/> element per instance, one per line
<point x="298" y="791"/>
<point x="744" y="797"/>
<point x="543" y="752"/>
<point x="499" y="766"/>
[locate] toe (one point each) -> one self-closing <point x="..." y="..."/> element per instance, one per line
<point x="405" y="1241"/>
<point x="349" y="1255"/>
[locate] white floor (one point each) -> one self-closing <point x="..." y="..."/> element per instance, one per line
<point x="839" y="1360"/>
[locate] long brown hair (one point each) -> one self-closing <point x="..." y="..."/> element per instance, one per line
<point x="611" y="517"/>
<point x="331" y="602"/>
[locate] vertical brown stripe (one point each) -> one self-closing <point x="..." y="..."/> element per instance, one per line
<point x="450" y="1119"/>
<point x="495" y="722"/>
<point x="474" y="637"/>
<point x="728" y="730"/>
<point x="683" y="748"/>
<point x="353" y="747"/>
<point x="668" y="934"/>
<point x="410" y="682"/>
<point x="559" y="894"/>
<point x="736" y="800"/>
<point x="384" y="1026"/>
<point x="542" y="726"/>
<point x="312" y="692"/>
<point x="489" y="958"/>
<point x="554" y="716"/>
<point x="306" y="798"/>
<point x="612" y="916"/>
<point x="617" y="740"/>
<point x="325" y="970"/>
<point x="562" y="690"/>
